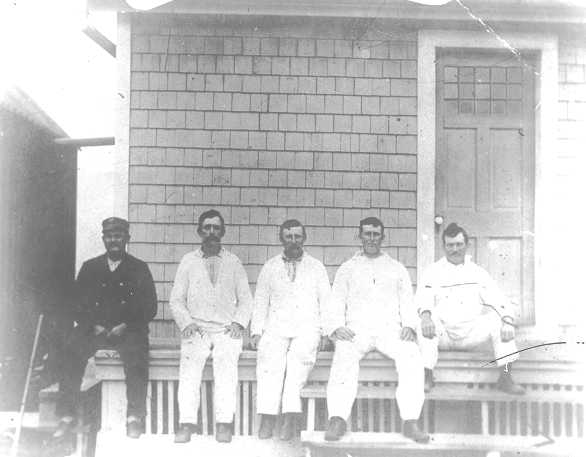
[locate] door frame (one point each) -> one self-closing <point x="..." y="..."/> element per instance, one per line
<point x="546" y="99"/>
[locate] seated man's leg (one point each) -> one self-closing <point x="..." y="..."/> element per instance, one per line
<point x="194" y="352"/>
<point x="493" y="323"/>
<point x="486" y="329"/>
<point x="81" y="345"/>
<point x="429" y="348"/>
<point x="343" y="383"/>
<point x="134" y="352"/>
<point x="270" y="371"/>
<point x="300" y="361"/>
<point x="410" y="397"/>
<point x="505" y="353"/>
<point x="225" y="354"/>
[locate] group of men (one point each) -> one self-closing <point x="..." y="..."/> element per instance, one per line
<point x="370" y="306"/>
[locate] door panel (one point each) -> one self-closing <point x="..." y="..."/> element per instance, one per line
<point x="461" y="165"/>
<point x="506" y="169"/>
<point x="485" y="165"/>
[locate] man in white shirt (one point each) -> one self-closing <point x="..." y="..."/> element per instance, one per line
<point x="211" y="304"/>
<point x="462" y="308"/>
<point x="372" y="307"/>
<point x="291" y="292"/>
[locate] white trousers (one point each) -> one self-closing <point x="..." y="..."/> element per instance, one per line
<point x="343" y="382"/>
<point x="194" y="353"/>
<point x="281" y="357"/>
<point x="486" y="329"/>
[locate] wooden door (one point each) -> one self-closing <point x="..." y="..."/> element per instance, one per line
<point x="485" y="164"/>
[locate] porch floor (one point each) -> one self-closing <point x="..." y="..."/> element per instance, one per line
<point x="113" y="443"/>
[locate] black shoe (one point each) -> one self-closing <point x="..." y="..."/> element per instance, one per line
<point x="289" y="427"/>
<point x="267" y="424"/>
<point x="411" y="430"/>
<point x="336" y="429"/>
<point x="64" y="428"/>
<point x="183" y="435"/>
<point x="134" y="428"/>
<point x="223" y="432"/>
<point x="429" y="381"/>
<point x="506" y="384"/>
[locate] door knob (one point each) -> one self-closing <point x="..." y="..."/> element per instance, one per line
<point x="438" y="220"/>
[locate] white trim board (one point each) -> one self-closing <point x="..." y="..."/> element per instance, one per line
<point x="102" y="176"/>
<point x="545" y="130"/>
<point x="122" y="151"/>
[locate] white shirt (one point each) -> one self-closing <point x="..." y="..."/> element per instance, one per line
<point x="194" y="299"/>
<point x="288" y="308"/>
<point x="113" y="264"/>
<point x="372" y="296"/>
<point x="458" y="294"/>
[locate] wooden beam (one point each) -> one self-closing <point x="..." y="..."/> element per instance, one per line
<point x="85" y="142"/>
<point x="100" y="39"/>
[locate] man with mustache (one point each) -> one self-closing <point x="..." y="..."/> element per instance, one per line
<point x="291" y="292"/>
<point x="116" y="300"/>
<point x="211" y="304"/>
<point x="372" y="307"/>
<point x="462" y="308"/>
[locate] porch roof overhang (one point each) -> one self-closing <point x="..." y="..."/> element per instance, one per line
<point x="529" y="11"/>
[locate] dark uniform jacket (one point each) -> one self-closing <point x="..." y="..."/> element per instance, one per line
<point x="109" y="298"/>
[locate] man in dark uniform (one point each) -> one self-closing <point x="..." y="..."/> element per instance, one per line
<point x="114" y="302"/>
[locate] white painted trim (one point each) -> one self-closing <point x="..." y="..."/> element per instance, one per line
<point x="545" y="130"/>
<point x="122" y="152"/>
<point x="102" y="171"/>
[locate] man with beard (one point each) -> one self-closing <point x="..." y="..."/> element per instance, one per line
<point x="116" y="300"/>
<point x="291" y="292"/>
<point x="372" y="308"/>
<point x="211" y="304"/>
<point x="462" y="308"/>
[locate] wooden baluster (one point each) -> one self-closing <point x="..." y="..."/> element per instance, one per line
<point x="171" y="406"/>
<point x="497" y="418"/>
<point x="246" y="408"/>
<point x="536" y="409"/>
<point x="392" y="415"/>
<point x="359" y="414"/>
<point x="160" y="410"/>
<point x="370" y="404"/>
<point x="238" y="410"/>
<point x="311" y="414"/>
<point x="551" y="419"/>
<point x="213" y="408"/>
<point x="254" y="417"/>
<point x="204" y="408"/>
<point x="575" y="417"/>
<point x="148" y="429"/>
<point x="507" y="418"/>
<point x="381" y="413"/>
<point x="517" y="430"/>
<point x="484" y="417"/>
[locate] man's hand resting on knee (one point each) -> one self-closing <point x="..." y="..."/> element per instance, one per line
<point x="427" y="325"/>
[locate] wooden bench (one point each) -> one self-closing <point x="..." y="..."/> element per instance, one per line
<point x="459" y="376"/>
<point x="547" y="420"/>
<point x="454" y="392"/>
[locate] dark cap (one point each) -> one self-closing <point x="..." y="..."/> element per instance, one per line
<point x="114" y="223"/>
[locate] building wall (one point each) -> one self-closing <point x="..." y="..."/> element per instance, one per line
<point x="569" y="182"/>
<point x="267" y="121"/>
<point x="37" y="245"/>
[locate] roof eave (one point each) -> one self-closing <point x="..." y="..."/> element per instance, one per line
<point x="552" y="11"/>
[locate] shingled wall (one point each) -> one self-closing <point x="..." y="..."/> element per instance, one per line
<point x="267" y="120"/>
